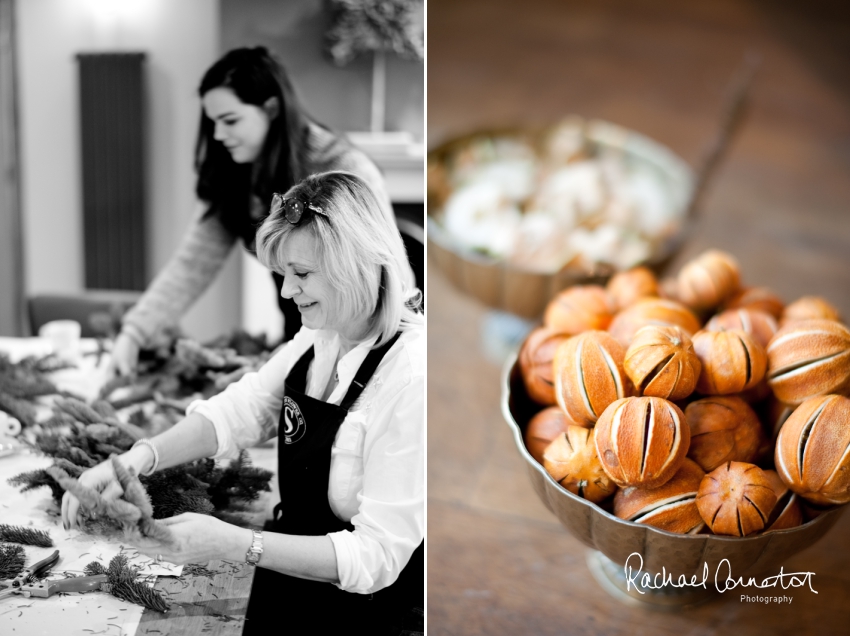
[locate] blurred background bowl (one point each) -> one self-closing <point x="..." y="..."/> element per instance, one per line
<point x="525" y="293"/>
<point x="613" y="540"/>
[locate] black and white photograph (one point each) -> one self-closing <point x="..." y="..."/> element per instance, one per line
<point x="212" y="333"/>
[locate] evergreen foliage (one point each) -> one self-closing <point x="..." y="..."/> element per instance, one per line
<point x="11" y="561"/>
<point x="363" y="26"/>
<point x="132" y="512"/>
<point x="21" y="382"/>
<point x="123" y="583"/>
<point x="27" y="536"/>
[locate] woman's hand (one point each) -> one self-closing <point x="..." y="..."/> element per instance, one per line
<point x="125" y="356"/>
<point x="198" y="539"/>
<point x="102" y="478"/>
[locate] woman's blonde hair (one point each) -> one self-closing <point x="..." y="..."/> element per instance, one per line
<point x="360" y="250"/>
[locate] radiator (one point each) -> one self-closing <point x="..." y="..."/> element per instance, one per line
<point x="113" y="169"/>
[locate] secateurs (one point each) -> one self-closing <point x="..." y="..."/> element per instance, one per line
<point x="31" y="581"/>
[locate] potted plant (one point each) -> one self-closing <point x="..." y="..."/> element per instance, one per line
<point x="379" y="27"/>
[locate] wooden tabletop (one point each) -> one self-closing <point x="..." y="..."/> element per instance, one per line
<point x="498" y="561"/>
<point x="212" y="602"/>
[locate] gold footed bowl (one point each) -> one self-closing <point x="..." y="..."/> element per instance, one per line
<point x="706" y="562"/>
<point x="523" y="292"/>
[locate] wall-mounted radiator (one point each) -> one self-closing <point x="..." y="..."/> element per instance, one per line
<point x="113" y="169"/>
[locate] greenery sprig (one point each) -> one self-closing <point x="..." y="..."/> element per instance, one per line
<point x="12" y="559"/>
<point x="26" y="536"/>
<point x="123" y="583"/>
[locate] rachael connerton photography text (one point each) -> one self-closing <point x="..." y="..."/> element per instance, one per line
<point x="723" y="579"/>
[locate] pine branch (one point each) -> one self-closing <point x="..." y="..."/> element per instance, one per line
<point x="19" y="409"/>
<point x="117" y="382"/>
<point x="122" y="583"/>
<point x="12" y="558"/>
<point x="33" y="479"/>
<point x="27" y="536"/>
<point x="120" y="570"/>
<point x="134" y="492"/>
<point x="140" y="594"/>
<point x="78" y="409"/>
<point x="105" y="410"/>
<point x="90" y="500"/>
<point x="24" y="379"/>
<point x="94" y="568"/>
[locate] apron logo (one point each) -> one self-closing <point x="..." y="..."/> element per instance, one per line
<point x="293" y="422"/>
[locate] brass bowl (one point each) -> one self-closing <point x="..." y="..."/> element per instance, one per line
<point x="525" y="293"/>
<point x="616" y="540"/>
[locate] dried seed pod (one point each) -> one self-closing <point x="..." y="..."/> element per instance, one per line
<point x="808" y="358"/>
<point x="732" y="361"/>
<point x="642" y="441"/>
<point x="813" y="450"/>
<point x="661" y="362"/>
<point x="571" y="460"/>
<point x="758" y="324"/>
<point x="723" y="429"/>
<point x="759" y="392"/>
<point x="736" y="499"/>
<point x="652" y="311"/>
<point x="588" y="371"/>
<point x="626" y="288"/>
<point x="542" y="429"/>
<point x="535" y="363"/>
<point x="670" y="507"/>
<point x="787" y="513"/>
<point x="759" y="298"/>
<point x="579" y="308"/>
<point x="708" y="280"/>
<point x="668" y="289"/>
<point x="774" y="416"/>
<point x="809" y="308"/>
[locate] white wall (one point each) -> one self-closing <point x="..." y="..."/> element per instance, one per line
<point x="180" y="39"/>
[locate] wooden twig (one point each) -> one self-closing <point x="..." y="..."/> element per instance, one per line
<point x="730" y="123"/>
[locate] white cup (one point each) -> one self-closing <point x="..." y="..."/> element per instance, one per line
<point x="9" y="426"/>
<point x="64" y="337"/>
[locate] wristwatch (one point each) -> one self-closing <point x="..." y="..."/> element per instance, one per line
<point x="252" y="557"/>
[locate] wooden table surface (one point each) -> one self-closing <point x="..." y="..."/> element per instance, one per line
<point x="211" y="603"/>
<point x="498" y="561"/>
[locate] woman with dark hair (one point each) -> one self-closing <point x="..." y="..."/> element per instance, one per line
<point x="255" y="139"/>
<point x="346" y="399"/>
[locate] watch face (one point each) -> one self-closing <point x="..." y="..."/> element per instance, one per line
<point x="256" y="549"/>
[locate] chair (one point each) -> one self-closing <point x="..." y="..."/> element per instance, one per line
<point x="99" y="312"/>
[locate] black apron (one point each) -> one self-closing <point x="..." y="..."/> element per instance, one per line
<point x="306" y="432"/>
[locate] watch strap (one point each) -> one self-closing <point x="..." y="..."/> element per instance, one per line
<point x="252" y="557"/>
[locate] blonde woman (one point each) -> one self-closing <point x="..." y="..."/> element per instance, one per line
<point x="346" y="399"/>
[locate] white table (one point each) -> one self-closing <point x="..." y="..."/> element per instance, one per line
<point x="97" y="612"/>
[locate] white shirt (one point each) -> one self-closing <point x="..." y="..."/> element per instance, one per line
<point x="377" y="474"/>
